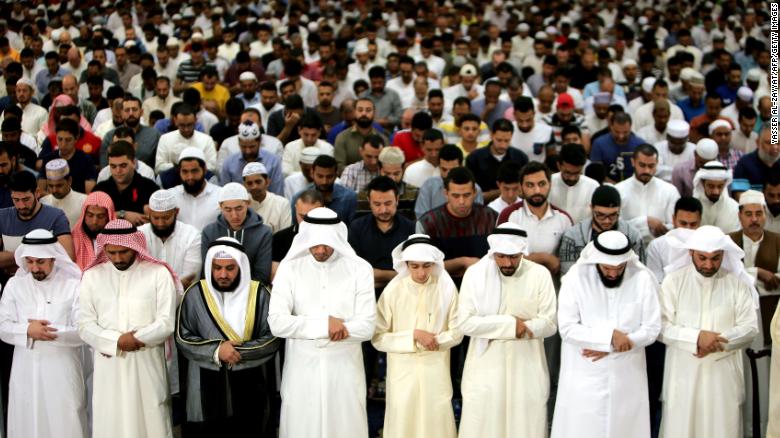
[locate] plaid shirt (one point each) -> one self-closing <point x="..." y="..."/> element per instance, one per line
<point x="356" y="177"/>
<point x="731" y="159"/>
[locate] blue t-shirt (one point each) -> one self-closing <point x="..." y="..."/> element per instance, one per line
<point x="615" y="158"/>
<point x="13" y="229"/>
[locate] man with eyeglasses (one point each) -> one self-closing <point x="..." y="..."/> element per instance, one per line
<point x="605" y="216"/>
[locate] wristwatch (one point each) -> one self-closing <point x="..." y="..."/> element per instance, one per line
<point x="120" y="214"/>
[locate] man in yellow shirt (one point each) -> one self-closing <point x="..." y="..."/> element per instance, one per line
<point x="213" y="95"/>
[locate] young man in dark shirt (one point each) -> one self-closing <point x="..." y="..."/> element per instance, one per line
<point x="129" y="190"/>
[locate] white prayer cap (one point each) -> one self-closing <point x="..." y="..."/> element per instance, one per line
<point x="551" y="30"/>
<point x="254" y="169"/>
<point x="55" y="34"/>
<point x="540" y="35"/>
<point x="687" y="73"/>
<point x="162" y="201"/>
<point x="42" y="244"/>
<point x="392" y="155"/>
<point x="752" y="197"/>
<point x="218" y="10"/>
<point x="523" y="27"/>
<point x="574" y="36"/>
<point x="534" y="9"/>
<point x="643" y="21"/>
<point x="129" y="43"/>
<point x="678" y="129"/>
<point x="309" y="154"/>
<point x="720" y="123"/>
<point x="172" y="41"/>
<point x="176" y="17"/>
<point x="508" y="238"/>
<point x="707" y="149"/>
<point x="247" y="76"/>
<point x="25" y="81"/>
<point x="754" y="75"/>
<point x="744" y="94"/>
<point x="361" y="49"/>
<point x="393" y="28"/>
<point x="647" y="84"/>
<point x="468" y="70"/>
<point x="248" y="130"/>
<point x="629" y="63"/>
<point x="313" y="26"/>
<point x="57" y="169"/>
<point x="233" y="192"/>
<point x="717" y="35"/>
<point x="409" y="22"/>
<point x="191" y="152"/>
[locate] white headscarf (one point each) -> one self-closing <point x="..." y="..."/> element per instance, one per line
<point x="713" y="170"/>
<point x="419" y="248"/>
<point x="232" y="305"/>
<point x="42" y="244"/>
<point x="609" y="248"/>
<point x="508" y="238"/>
<point x="711" y="239"/>
<point x="321" y="226"/>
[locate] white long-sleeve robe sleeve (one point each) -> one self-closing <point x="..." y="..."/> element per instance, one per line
<point x="572" y="330"/>
<point x="283" y="321"/>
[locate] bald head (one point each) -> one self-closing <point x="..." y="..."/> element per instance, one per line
<point x="70" y="87"/>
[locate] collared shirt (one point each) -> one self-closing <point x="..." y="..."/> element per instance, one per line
<point x="291" y="157"/>
<point x="275" y="211"/>
<point x="386" y="106"/>
<point x="43" y="78"/>
<point x="752" y="168"/>
<point x="544" y="234"/>
<point x="199" y="210"/>
<point x="134" y="197"/>
<point x="348" y="143"/>
<point x="641" y="201"/>
<point x="374" y="245"/>
<point x="233" y="168"/>
<point x="667" y="160"/>
<point x="356" y="176"/>
<point x="173" y="143"/>
<point x="731" y="158"/>
<point x="343" y="201"/>
<point x="576" y="237"/>
<point x="181" y="250"/>
<point x="255" y="100"/>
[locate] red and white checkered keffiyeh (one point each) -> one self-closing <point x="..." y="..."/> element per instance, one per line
<point x="132" y="239"/>
<point x="85" y="250"/>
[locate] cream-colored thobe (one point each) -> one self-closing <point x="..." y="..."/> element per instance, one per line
<point x="323" y="382"/>
<point x="71" y="205"/>
<point x="46" y="393"/>
<point x="419" y="389"/>
<point x="573" y="200"/>
<point x="773" y="428"/>
<point x="702" y="397"/>
<point x="606" y="398"/>
<point x="505" y="389"/>
<point x="723" y="214"/>
<point x="275" y="211"/>
<point x="130" y="389"/>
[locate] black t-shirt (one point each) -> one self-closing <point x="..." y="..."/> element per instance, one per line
<point x="134" y="197"/>
<point x="82" y="168"/>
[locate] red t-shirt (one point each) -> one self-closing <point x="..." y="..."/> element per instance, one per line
<point x="405" y="141"/>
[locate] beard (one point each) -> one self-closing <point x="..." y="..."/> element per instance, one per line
<point x="707" y="273"/>
<point x="122" y="266"/>
<point x="91" y="234"/>
<point x="26" y="212"/>
<point x="132" y="122"/>
<point x="194" y="188"/>
<point x="610" y="283"/>
<point x="231" y="287"/>
<point x="164" y="233"/>
<point x="713" y="198"/>
<point x="774" y="209"/>
<point x="508" y="271"/>
<point x="325" y="188"/>
<point x="364" y="122"/>
<point x="39" y="276"/>
<point x="536" y="200"/>
<point x="569" y="182"/>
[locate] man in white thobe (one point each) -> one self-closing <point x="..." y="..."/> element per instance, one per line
<point x="570" y="190"/>
<point x="61" y="194"/>
<point x="38" y="315"/>
<point x="773" y="428"/>
<point x="648" y="201"/>
<point x="127" y="306"/>
<point x="274" y="209"/>
<point x="710" y="186"/>
<point x="709" y="316"/>
<point x="608" y="313"/>
<point x="664" y="250"/>
<point x="170" y="240"/>
<point x="323" y="304"/>
<point x="416" y="327"/>
<point x="507" y="308"/>
<point x="675" y="149"/>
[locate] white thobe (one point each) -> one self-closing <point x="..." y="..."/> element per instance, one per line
<point x="47" y="396"/>
<point x="274" y="210"/>
<point x="505" y="389"/>
<point x="33" y="118"/>
<point x="323" y="382"/>
<point x="291" y="156"/>
<point x="667" y="159"/>
<point x="773" y="427"/>
<point x="660" y="254"/>
<point x="199" y="210"/>
<point x="702" y="397"/>
<point x="230" y="146"/>
<point x="643" y="115"/>
<point x="171" y="144"/>
<point x="294" y="184"/>
<point x="606" y="398"/>
<point x="574" y="200"/>
<point x="130" y="389"/>
<point x="419" y="389"/>
<point x="723" y="214"/>
<point x="650" y="135"/>
<point x="71" y="205"/>
<point x="181" y="250"/>
<point x="641" y="201"/>
<point x="772" y="223"/>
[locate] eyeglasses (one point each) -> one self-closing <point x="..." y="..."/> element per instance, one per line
<point x="604" y="216"/>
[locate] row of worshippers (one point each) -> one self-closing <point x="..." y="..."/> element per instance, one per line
<point x="610" y="307"/>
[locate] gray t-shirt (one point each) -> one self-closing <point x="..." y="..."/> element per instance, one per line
<point x="12" y="229"/>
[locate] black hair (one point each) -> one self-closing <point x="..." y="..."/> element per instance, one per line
<point x="382" y="184"/>
<point x="459" y="175"/>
